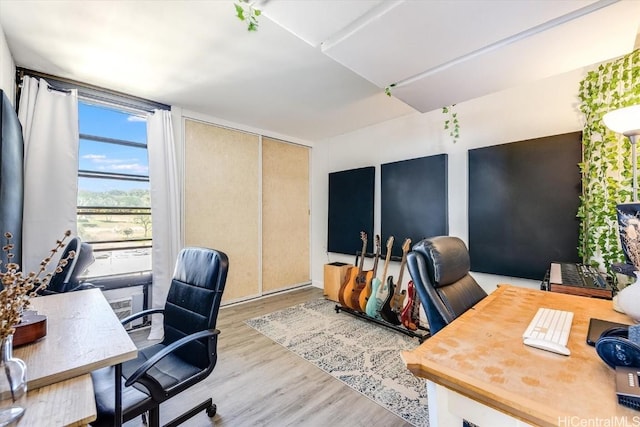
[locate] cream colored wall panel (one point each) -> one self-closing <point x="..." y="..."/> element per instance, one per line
<point x="222" y="200"/>
<point x="285" y="215"/>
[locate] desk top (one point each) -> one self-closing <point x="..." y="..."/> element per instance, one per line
<point x="83" y="334"/>
<point x="481" y="356"/>
<point x="67" y="403"/>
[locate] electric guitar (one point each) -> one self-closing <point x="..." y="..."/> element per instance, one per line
<point x="379" y="288"/>
<point x="410" y="315"/>
<point x="392" y="306"/>
<point x="365" y="293"/>
<point x="354" y="277"/>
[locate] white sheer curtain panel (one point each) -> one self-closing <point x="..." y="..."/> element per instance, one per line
<point x="50" y="129"/>
<point x="165" y="209"/>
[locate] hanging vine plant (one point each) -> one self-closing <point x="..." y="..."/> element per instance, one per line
<point x="387" y="90"/>
<point x="245" y="11"/>
<point x="606" y="167"/>
<point x="451" y="123"/>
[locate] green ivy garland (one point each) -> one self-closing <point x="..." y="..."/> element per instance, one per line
<point x="451" y="123"/>
<point x="245" y="11"/>
<point x="606" y="166"/>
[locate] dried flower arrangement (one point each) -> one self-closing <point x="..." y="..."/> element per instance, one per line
<point x="631" y="238"/>
<point x="20" y="287"/>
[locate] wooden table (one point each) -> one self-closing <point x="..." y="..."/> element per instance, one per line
<point x="83" y="334"/>
<point x="478" y="368"/>
<point x="67" y="403"/>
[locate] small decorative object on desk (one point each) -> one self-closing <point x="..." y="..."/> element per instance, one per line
<point x="17" y="289"/>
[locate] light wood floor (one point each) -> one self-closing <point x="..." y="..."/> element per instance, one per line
<point x="257" y="382"/>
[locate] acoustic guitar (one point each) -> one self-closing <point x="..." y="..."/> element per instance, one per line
<point x="392" y="306"/>
<point x="366" y="292"/>
<point x="410" y="315"/>
<point x="379" y="288"/>
<point x="354" y="277"/>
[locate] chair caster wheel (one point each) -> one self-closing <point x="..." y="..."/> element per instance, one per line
<point x="211" y="410"/>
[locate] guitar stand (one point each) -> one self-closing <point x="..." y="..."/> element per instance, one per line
<point x="402" y="330"/>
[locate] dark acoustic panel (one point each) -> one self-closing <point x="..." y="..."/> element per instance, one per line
<point x="523" y="201"/>
<point x="11" y="179"/>
<point x="351" y="196"/>
<point x="414" y="200"/>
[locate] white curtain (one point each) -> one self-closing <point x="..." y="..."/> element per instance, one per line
<point x="49" y="121"/>
<point x="165" y="209"/>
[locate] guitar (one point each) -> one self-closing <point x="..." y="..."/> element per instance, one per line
<point x="354" y="277"/>
<point x="379" y="293"/>
<point x="392" y="306"/>
<point x="365" y="293"/>
<point x="410" y="315"/>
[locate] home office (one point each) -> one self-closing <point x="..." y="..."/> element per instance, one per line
<point x="381" y="129"/>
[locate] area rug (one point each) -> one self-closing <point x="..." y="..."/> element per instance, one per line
<point x="361" y="354"/>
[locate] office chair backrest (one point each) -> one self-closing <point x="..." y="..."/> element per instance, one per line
<point x="194" y="300"/>
<point x="68" y="279"/>
<point x="628" y="215"/>
<point x="439" y="267"/>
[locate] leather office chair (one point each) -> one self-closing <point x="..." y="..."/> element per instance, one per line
<point x="628" y="217"/>
<point x="68" y="279"/>
<point x="439" y="268"/>
<point x="188" y="352"/>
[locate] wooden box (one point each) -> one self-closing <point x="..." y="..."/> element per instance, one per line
<point x="334" y="274"/>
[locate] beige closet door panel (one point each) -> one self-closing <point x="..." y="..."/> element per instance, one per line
<point x="222" y="200"/>
<point x="285" y="215"/>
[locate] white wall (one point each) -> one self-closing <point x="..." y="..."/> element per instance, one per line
<point x="7" y="68"/>
<point x="543" y="108"/>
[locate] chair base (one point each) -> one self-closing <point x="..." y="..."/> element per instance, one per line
<point x="206" y="405"/>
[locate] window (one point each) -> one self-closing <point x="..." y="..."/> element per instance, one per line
<point x="114" y="204"/>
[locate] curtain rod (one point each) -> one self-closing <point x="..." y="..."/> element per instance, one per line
<point x="91" y="92"/>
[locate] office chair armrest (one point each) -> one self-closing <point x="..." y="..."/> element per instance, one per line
<point x="139" y="314"/>
<point x="142" y="370"/>
<point x="85" y="285"/>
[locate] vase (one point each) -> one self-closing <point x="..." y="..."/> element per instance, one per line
<point x="628" y="299"/>
<point x="13" y="384"/>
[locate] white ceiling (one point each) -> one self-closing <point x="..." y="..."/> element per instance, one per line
<point x="315" y="68"/>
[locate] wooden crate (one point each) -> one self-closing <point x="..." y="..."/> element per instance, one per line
<point x="334" y="274"/>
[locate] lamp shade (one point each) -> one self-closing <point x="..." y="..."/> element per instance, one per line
<point x="624" y="120"/>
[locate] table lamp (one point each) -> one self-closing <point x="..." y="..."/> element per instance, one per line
<point x="627" y="122"/>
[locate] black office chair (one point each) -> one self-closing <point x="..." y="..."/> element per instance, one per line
<point x="628" y="215"/>
<point x="68" y="279"/>
<point x="188" y="352"/>
<point x="439" y="268"/>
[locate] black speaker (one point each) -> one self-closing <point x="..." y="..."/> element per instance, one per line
<point x="616" y="349"/>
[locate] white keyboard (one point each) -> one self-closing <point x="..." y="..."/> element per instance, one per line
<point x="549" y="330"/>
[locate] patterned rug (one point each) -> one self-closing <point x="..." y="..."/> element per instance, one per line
<point x="363" y="355"/>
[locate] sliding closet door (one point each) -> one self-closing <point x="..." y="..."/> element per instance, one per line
<point x="285" y="215"/>
<point x="222" y="201"/>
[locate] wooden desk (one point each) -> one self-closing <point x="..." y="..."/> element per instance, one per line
<point x="480" y="359"/>
<point x="83" y="334"/>
<point x="67" y="403"/>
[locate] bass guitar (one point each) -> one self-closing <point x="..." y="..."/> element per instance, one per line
<point x="392" y="306"/>
<point x="354" y="277"/>
<point x="365" y="293"/>
<point x="410" y="315"/>
<point x="379" y="288"/>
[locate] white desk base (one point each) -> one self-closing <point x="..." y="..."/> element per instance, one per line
<point x="448" y="408"/>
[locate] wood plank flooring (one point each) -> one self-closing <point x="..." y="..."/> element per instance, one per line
<point x="257" y="382"/>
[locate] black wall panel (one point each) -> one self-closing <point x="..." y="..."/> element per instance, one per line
<point x="11" y="179"/>
<point x="351" y="198"/>
<point x="523" y="201"/>
<point x="414" y="200"/>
